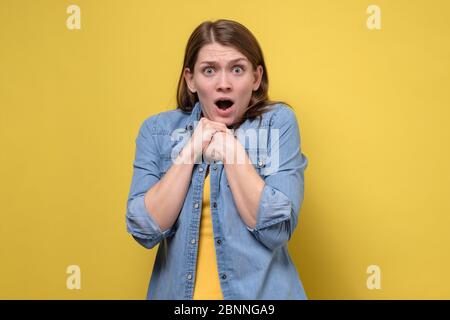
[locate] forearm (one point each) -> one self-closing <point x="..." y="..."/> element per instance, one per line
<point x="165" y="199"/>
<point x="245" y="183"/>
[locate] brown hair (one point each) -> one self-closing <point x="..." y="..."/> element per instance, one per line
<point x="227" y="33"/>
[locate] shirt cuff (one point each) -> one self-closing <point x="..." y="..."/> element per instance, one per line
<point x="274" y="207"/>
<point x="141" y="224"/>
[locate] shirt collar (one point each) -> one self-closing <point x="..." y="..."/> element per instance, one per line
<point x="194" y="118"/>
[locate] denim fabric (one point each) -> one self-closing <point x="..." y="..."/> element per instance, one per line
<point x="253" y="263"/>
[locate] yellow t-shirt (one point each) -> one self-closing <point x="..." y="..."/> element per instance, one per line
<point x="207" y="283"/>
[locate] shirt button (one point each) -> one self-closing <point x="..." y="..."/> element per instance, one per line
<point x="224" y="276"/>
<point x="196" y="205"/>
<point x="190" y="127"/>
<point x="215" y="205"/>
<point x="189" y="276"/>
<point x="215" y="166"/>
<point x="260" y="163"/>
<point x="200" y="169"/>
<point x="193" y="241"/>
<point x="219" y="242"/>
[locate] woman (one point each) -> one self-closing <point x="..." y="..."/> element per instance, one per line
<point x="218" y="182"/>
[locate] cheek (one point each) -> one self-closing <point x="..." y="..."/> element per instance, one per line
<point x="204" y="87"/>
<point x="245" y="87"/>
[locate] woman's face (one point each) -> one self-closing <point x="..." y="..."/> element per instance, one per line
<point x="223" y="73"/>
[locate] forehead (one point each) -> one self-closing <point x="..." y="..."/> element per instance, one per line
<point x="219" y="53"/>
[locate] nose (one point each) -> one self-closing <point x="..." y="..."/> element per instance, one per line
<point x="223" y="83"/>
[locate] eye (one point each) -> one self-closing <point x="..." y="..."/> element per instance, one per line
<point x="239" y="68"/>
<point x="205" y="70"/>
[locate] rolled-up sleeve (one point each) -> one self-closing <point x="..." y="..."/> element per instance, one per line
<point x="146" y="173"/>
<point x="283" y="192"/>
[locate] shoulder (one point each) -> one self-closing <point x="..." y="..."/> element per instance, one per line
<point x="280" y="114"/>
<point x="164" y="122"/>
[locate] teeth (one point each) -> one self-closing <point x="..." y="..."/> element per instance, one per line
<point x="224" y="104"/>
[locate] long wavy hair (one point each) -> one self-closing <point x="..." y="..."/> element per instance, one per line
<point x="233" y="34"/>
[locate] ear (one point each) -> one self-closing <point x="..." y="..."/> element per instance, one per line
<point x="258" y="77"/>
<point x="189" y="78"/>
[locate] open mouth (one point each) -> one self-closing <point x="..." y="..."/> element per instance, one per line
<point x="224" y="104"/>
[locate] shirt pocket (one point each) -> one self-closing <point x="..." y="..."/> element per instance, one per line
<point x="258" y="160"/>
<point x="260" y="166"/>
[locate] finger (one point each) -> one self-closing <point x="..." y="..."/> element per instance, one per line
<point x="223" y="126"/>
<point x="217" y="127"/>
<point x="211" y="131"/>
<point x="215" y="124"/>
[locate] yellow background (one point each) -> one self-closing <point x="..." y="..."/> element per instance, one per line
<point x="373" y="107"/>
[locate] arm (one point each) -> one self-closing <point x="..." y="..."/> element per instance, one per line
<point x="165" y="199"/>
<point x="245" y="183"/>
<point x="273" y="217"/>
<point x="153" y="203"/>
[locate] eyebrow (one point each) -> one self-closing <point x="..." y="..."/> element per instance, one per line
<point x="231" y="62"/>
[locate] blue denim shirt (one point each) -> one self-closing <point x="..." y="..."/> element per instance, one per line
<point x="253" y="263"/>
